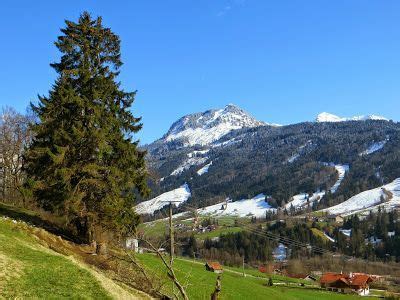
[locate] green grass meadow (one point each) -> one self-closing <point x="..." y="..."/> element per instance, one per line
<point x="200" y="283"/>
<point x="29" y="270"/>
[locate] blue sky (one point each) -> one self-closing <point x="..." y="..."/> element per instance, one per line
<point x="282" y="61"/>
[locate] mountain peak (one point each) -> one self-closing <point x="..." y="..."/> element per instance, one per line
<point x="206" y="127"/>
<point x="328" y="117"/>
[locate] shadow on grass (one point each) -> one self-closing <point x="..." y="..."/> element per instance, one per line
<point x="37" y="220"/>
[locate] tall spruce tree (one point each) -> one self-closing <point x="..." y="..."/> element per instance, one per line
<point x="83" y="163"/>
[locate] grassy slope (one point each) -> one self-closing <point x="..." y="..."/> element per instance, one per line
<point x="200" y="283"/>
<point x="320" y="234"/>
<point x="160" y="227"/>
<point x="27" y="269"/>
<point x="276" y="278"/>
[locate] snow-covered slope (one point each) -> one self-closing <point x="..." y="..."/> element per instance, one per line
<point x="301" y="201"/>
<point x="299" y="152"/>
<point x="204" y="169"/>
<point x="329" y="238"/>
<point x="327" y="117"/>
<point x="195" y="158"/>
<point x="341" y="169"/>
<point x="369" y="200"/>
<point x="192" y="161"/>
<point x="374" y="147"/>
<point x="346" y="232"/>
<point x="248" y="207"/>
<point x="207" y="127"/>
<point x="180" y="194"/>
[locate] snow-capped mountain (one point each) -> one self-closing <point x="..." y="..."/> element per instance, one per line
<point x="327" y="117"/>
<point x="227" y="153"/>
<point x="207" y="127"/>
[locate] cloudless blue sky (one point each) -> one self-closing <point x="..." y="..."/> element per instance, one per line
<point x="282" y="61"/>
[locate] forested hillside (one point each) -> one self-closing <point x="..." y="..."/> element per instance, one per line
<point x="280" y="161"/>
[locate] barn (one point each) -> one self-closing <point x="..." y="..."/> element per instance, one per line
<point x="214" y="267"/>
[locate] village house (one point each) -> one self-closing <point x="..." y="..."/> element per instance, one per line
<point x="214" y="267"/>
<point x="133" y="244"/>
<point x="336" y="218"/>
<point x="346" y="283"/>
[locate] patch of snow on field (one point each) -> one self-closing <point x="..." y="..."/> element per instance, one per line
<point x="368" y="200"/>
<point x="226" y="143"/>
<point x="180" y="194"/>
<point x="293" y="158"/>
<point x="341" y="169"/>
<point x="301" y="200"/>
<point x="192" y="161"/>
<point x="204" y="169"/>
<point x="346" y="232"/>
<point x="197" y="153"/>
<point x="329" y="238"/>
<point x="248" y="207"/>
<point x="373" y="148"/>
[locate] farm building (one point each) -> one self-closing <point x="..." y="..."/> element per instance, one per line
<point x="337" y="219"/>
<point x="213" y="267"/>
<point x="132" y="244"/>
<point x="346" y="283"/>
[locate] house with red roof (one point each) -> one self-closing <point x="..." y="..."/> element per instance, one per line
<point x="346" y="283"/>
<point x="214" y="266"/>
<point x="360" y="283"/>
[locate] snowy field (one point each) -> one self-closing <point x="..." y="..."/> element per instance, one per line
<point x="197" y="153"/>
<point x="368" y="200"/>
<point x="226" y="143"/>
<point x="301" y="201"/>
<point x="373" y="148"/>
<point x="346" y="232"/>
<point x="248" y="207"/>
<point x="341" y="169"/>
<point x="180" y="194"/>
<point x="329" y="238"/>
<point x="204" y="169"/>
<point x="187" y="164"/>
<point x="295" y="156"/>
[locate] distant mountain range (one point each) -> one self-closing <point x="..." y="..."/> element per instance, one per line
<point x="327" y="117"/>
<point x="226" y="153"/>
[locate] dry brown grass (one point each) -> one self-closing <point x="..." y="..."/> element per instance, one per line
<point x="9" y="269"/>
